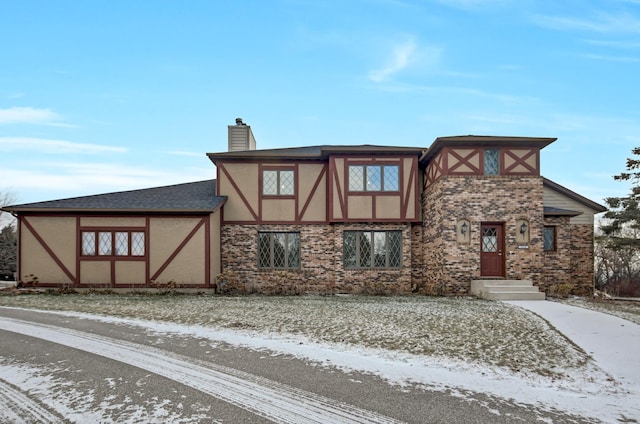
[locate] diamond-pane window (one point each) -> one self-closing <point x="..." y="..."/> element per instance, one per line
<point x="372" y="249"/>
<point x="395" y="248"/>
<point x="279" y="250"/>
<point x="293" y="248"/>
<point x="270" y="183"/>
<point x="549" y="238"/>
<point x="391" y="178"/>
<point x="88" y="243"/>
<point x="264" y="250"/>
<point x="137" y="244"/>
<point x="349" y="249"/>
<point x="104" y="244"/>
<point x="276" y="182"/>
<point x="356" y="178"/>
<point x="286" y="183"/>
<point x="489" y="240"/>
<point x="364" y="245"/>
<point x="374" y="175"/>
<point x="379" y="250"/>
<point x="491" y="162"/>
<point x="122" y="244"/>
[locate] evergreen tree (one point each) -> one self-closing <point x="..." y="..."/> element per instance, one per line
<point x="622" y="226"/>
<point x="8" y="252"/>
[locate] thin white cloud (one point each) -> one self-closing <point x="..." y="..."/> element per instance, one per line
<point x="185" y="153"/>
<point x="29" y="115"/>
<point x="602" y="23"/>
<point x="44" y="145"/>
<point x="68" y="179"/>
<point x="403" y="56"/>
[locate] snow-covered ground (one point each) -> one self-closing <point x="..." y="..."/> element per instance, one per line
<point x="463" y="346"/>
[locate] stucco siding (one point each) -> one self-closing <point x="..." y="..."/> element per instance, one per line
<point x="130" y="273"/>
<point x="58" y="234"/>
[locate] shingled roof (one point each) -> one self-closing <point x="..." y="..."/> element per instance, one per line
<point x="195" y="197"/>
<point x="314" y="152"/>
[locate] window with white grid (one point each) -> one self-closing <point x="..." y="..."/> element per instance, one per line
<point x="113" y="243"/>
<point x="374" y="177"/>
<point x="278" y="182"/>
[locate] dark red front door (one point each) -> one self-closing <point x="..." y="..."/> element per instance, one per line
<point x="492" y="250"/>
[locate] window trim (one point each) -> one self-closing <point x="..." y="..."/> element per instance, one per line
<point x="112" y="253"/>
<point x="555" y="238"/>
<point x="271" y="266"/>
<point x="381" y="167"/>
<point x="372" y="260"/>
<point x="278" y="170"/>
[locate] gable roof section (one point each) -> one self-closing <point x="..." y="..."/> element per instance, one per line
<point x="596" y="207"/>
<point x="195" y="197"/>
<point x="321" y="152"/>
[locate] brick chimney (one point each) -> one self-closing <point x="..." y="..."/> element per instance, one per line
<point x="241" y="137"/>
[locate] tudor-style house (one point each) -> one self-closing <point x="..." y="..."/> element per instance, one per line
<point x="469" y="214"/>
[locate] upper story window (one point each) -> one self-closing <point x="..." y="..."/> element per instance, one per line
<point x="113" y="243"/>
<point x="491" y="162"/>
<point x="278" y="182"/>
<point x="374" y="177"/>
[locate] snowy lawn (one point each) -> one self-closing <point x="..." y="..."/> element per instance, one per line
<point x="468" y="330"/>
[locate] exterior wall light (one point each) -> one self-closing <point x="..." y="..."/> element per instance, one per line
<point x="463" y="231"/>
<point x="523" y="229"/>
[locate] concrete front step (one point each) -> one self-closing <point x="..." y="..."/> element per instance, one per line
<point x="506" y="290"/>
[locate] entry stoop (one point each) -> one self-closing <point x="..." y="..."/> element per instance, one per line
<point x="506" y="290"/>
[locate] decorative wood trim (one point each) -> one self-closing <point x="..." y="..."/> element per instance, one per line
<point x="147" y="251"/>
<point x="405" y="202"/>
<point x="178" y="249"/>
<point x="341" y="200"/>
<point x="207" y="251"/>
<point x="237" y="189"/>
<point x="520" y="161"/>
<point x="314" y="189"/>
<point x="48" y="250"/>
<point x="464" y="161"/>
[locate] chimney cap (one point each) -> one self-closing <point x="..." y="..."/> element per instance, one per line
<point x="239" y="121"/>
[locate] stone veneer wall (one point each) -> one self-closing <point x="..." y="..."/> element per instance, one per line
<point x="450" y="266"/>
<point x="573" y="261"/>
<point x="557" y="264"/>
<point x="582" y="259"/>
<point x="321" y="254"/>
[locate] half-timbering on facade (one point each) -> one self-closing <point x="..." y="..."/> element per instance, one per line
<point x="467" y="212"/>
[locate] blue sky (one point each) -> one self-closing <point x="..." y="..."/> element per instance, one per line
<point x="101" y="96"/>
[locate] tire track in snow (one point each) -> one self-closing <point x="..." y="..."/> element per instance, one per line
<point x="16" y="407"/>
<point x="256" y="394"/>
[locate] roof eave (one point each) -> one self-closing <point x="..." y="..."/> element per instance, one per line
<point x="17" y="210"/>
<point x="484" y="141"/>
